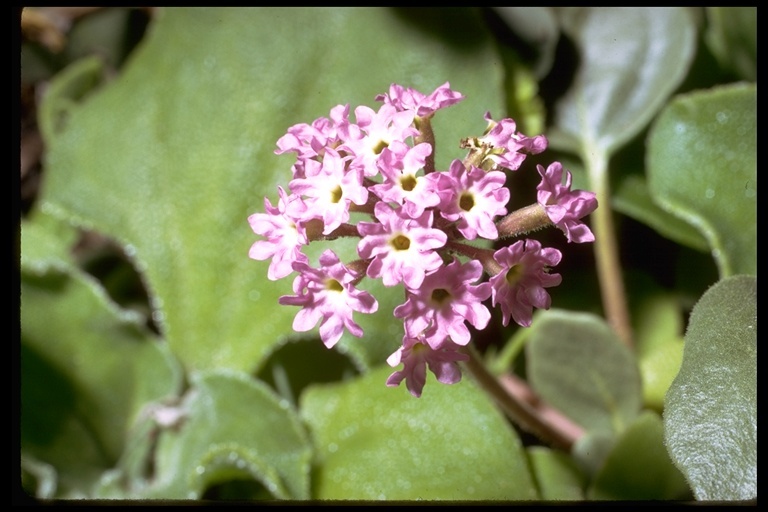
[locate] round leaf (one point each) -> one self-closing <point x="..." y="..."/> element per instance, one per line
<point x="173" y="156"/>
<point x="702" y="167"/>
<point x="374" y="442"/>
<point x="234" y="428"/>
<point x="710" y="414"/>
<point x="577" y="364"/>
<point x="630" y="61"/>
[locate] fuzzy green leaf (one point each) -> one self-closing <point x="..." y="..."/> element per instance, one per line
<point x="374" y="442"/>
<point x="88" y="368"/>
<point x="710" y="414"/>
<point x="234" y="427"/>
<point x="173" y="156"/>
<point x="633" y="198"/>
<point x="702" y="167"/>
<point x="577" y="364"/>
<point x="630" y="61"/>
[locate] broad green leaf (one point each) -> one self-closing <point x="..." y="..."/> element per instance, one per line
<point x="576" y="363"/>
<point x="630" y="60"/>
<point x="47" y="242"/>
<point x="88" y="368"/>
<point x="702" y="167"/>
<point x="557" y="475"/>
<point x="732" y="37"/>
<point x="638" y="467"/>
<point x="70" y="87"/>
<point x="373" y="442"/>
<point x="234" y="428"/>
<point x="710" y="414"/>
<point x="632" y="198"/>
<point x="173" y="156"/>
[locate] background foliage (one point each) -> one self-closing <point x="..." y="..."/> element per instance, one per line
<point x="155" y="362"/>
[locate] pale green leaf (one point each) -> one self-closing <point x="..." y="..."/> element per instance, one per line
<point x="234" y="427"/>
<point x="630" y="60"/>
<point x="173" y="156"/>
<point x="638" y="467"/>
<point x="576" y="363"/>
<point x="710" y="414"/>
<point x="557" y="475"/>
<point x="702" y="167"/>
<point x="374" y="442"/>
<point x="633" y="199"/>
<point x="88" y="368"/>
<point x="47" y="243"/>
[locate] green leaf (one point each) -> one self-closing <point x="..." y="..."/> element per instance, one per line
<point x="173" y="156"/>
<point x="576" y="363"/>
<point x="732" y="37"/>
<point x="374" y="442"/>
<point x="632" y="198"/>
<point x="659" y="337"/>
<point x="65" y="93"/>
<point x="702" y="167"/>
<point x="630" y="60"/>
<point x="88" y="368"/>
<point x="710" y="415"/>
<point x="557" y="475"/>
<point x="47" y="243"/>
<point x="234" y="428"/>
<point x="638" y="467"/>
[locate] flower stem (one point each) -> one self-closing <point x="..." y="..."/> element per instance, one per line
<point x="424" y="125"/>
<point x="606" y="251"/>
<point x="524" y="220"/>
<point x="520" y="404"/>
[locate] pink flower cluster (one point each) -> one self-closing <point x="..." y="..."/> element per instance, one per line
<point x="381" y="165"/>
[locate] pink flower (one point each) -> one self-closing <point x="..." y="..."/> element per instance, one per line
<point x="506" y="143"/>
<point x="519" y="287"/>
<point x="416" y="355"/>
<point x="285" y="234"/>
<point x="402" y="248"/>
<point x="327" y="295"/>
<point x="329" y="188"/>
<point x="407" y="99"/>
<point x="372" y="132"/>
<point x="445" y="300"/>
<point x="565" y="207"/>
<point x="400" y="164"/>
<point x="473" y="198"/>
<point x="310" y="141"/>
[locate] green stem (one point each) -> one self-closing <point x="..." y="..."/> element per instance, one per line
<point x="606" y="249"/>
